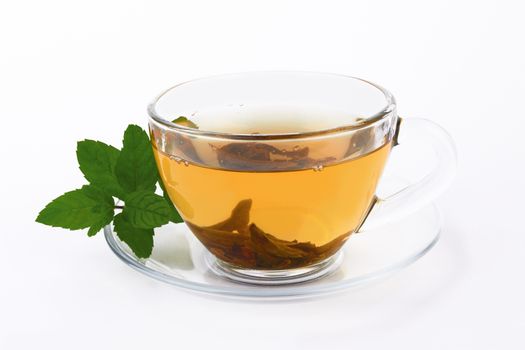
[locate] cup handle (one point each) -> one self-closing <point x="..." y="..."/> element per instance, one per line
<point x="415" y="196"/>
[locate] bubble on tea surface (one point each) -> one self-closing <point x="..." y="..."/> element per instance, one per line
<point x="186" y="163"/>
<point x="318" y="167"/>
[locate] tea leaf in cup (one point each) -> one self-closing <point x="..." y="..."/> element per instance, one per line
<point x="185" y="122"/>
<point x="265" y="243"/>
<point x="238" y="220"/>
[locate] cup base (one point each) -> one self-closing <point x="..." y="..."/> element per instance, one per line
<point x="274" y="277"/>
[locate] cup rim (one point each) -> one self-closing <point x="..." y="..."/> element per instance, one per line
<point x="365" y="121"/>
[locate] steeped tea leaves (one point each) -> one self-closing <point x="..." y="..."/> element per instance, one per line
<point x="242" y="243"/>
<point x="185" y="122"/>
<point x="239" y="218"/>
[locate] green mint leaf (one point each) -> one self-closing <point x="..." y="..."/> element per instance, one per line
<point x="174" y="215"/>
<point x="96" y="227"/>
<point x="139" y="240"/>
<point x="78" y="209"/>
<point x="97" y="194"/>
<point x="185" y="122"/>
<point x="100" y="196"/>
<point x="136" y="169"/>
<point x="144" y="209"/>
<point x="97" y="162"/>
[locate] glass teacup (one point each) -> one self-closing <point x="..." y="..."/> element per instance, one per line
<point x="273" y="171"/>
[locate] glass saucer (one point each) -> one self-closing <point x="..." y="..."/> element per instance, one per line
<point x="180" y="259"/>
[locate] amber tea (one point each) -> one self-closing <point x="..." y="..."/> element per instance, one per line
<point x="258" y="206"/>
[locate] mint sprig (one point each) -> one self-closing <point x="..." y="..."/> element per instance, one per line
<point x="129" y="174"/>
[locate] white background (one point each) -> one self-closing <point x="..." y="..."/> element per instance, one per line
<point x="71" y="70"/>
